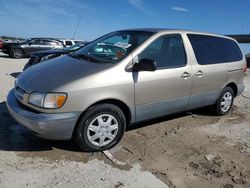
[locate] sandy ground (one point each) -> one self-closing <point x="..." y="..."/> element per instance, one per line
<point x="193" y="149"/>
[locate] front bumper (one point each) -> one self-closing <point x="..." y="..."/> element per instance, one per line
<point x="58" y="126"/>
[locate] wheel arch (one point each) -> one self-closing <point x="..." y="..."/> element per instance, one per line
<point x="124" y="108"/>
<point x="234" y="87"/>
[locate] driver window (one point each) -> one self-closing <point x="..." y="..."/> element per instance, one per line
<point x="168" y="52"/>
<point x="36" y="42"/>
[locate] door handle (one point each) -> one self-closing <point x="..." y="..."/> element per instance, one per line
<point x="186" y="75"/>
<point x="199" y="73"/>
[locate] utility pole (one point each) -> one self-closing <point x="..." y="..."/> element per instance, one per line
<point x="78" y="22"/>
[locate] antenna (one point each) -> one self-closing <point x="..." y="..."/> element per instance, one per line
<point x="78" y="22"/>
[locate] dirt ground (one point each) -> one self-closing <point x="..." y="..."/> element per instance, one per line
<point x="193" y="149"/>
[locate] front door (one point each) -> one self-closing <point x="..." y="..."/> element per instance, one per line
<point x="167" y="89"/>
<point x="33" y="46"/>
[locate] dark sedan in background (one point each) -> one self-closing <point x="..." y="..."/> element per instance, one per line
<point x="27" y="47"/>
<point x="38" y="57"/>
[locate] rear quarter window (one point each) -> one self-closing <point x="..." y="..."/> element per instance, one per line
<point x="213" y="50"/>
<point x="231" y="50"/>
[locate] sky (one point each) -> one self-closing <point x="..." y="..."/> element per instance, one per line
<point x="59" y="18"/>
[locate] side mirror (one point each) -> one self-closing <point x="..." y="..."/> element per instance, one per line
<point x="145" y="65"/>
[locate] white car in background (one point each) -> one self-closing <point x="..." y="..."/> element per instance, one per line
<point x="69" y="42"/>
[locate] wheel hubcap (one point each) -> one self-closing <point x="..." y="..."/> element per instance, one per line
<point x="18" y="53"/>
<point x="226" y="102"/>
<point x="102" y="130"/>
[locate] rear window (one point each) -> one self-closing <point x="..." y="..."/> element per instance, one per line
<point x="213" y="50"/>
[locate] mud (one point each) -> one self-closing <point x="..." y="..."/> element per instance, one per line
<point x="174" y="148"/>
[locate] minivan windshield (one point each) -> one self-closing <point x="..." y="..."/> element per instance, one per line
<point x="113" y="47"/>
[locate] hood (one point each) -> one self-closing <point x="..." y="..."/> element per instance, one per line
<point x="55" y="73"/>
<point x="48" y="52"/>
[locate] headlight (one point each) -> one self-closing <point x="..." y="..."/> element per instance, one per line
<point x="47" y="100"/>
<point x="47" y="57"/>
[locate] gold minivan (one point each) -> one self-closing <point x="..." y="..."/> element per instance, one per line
<point x="125" y="77"/>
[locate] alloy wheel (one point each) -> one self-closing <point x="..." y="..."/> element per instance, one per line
<point x="226" y="102"/>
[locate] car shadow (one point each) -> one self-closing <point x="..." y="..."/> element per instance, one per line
<point x="14" y="137"/>
<point x="15" y="74"/>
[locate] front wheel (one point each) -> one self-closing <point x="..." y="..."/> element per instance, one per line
<point x="17" y="53"/>
<point x="225" y="102"/>
<point x="101" y="128"/>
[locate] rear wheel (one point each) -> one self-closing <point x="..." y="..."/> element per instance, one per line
<point x="101" y="128"/>
<point x="17" y="53"/>
<point x="225" y="102"/>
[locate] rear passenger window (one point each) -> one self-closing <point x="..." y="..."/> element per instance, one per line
<point x="168" y="52"/>
<point x="37" y="42"/>
<point x="231" y="50"/>
<point x="46" y="42"/>
<point x="212" y="50"/>
<point x="68" y="43"/>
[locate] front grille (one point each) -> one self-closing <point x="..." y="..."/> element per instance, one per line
<point x="28" y="108"/>
<point x="19" y="92"/>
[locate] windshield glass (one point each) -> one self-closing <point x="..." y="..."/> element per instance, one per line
<point x="113" y="47"/>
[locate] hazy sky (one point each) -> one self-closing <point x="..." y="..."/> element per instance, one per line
<point x="58" y="18"/>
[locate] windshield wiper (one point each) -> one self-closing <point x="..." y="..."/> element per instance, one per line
<point x="87" y="57"/>
<point x="82" y="56"/>
<point x="74" y="55"/>
<point x="101" y="59"/>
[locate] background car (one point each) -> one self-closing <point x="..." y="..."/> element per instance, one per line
<point x="38" y="57"/>
<point x="27" y="47"/>
<point x="68" y="42"/>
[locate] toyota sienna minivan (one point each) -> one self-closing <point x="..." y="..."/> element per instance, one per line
<point x="126" y="77"/>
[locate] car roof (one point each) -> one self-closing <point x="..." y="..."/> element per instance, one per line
<point x="43" y="38"/>
<point x="154" y="30"/>
<point x="159" y="30"/>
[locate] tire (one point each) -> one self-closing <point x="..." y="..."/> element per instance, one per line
<point x="17" y="53"/>
<point x="225" y="102"/>
<point x="101" y="128"/>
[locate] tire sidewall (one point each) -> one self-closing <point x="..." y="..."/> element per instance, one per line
<point x="82" y="129"/>
<point x="13" y="53"/>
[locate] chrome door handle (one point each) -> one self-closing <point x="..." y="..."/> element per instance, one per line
<point x="199" y="73"/>
<point x="186" y="75"/>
